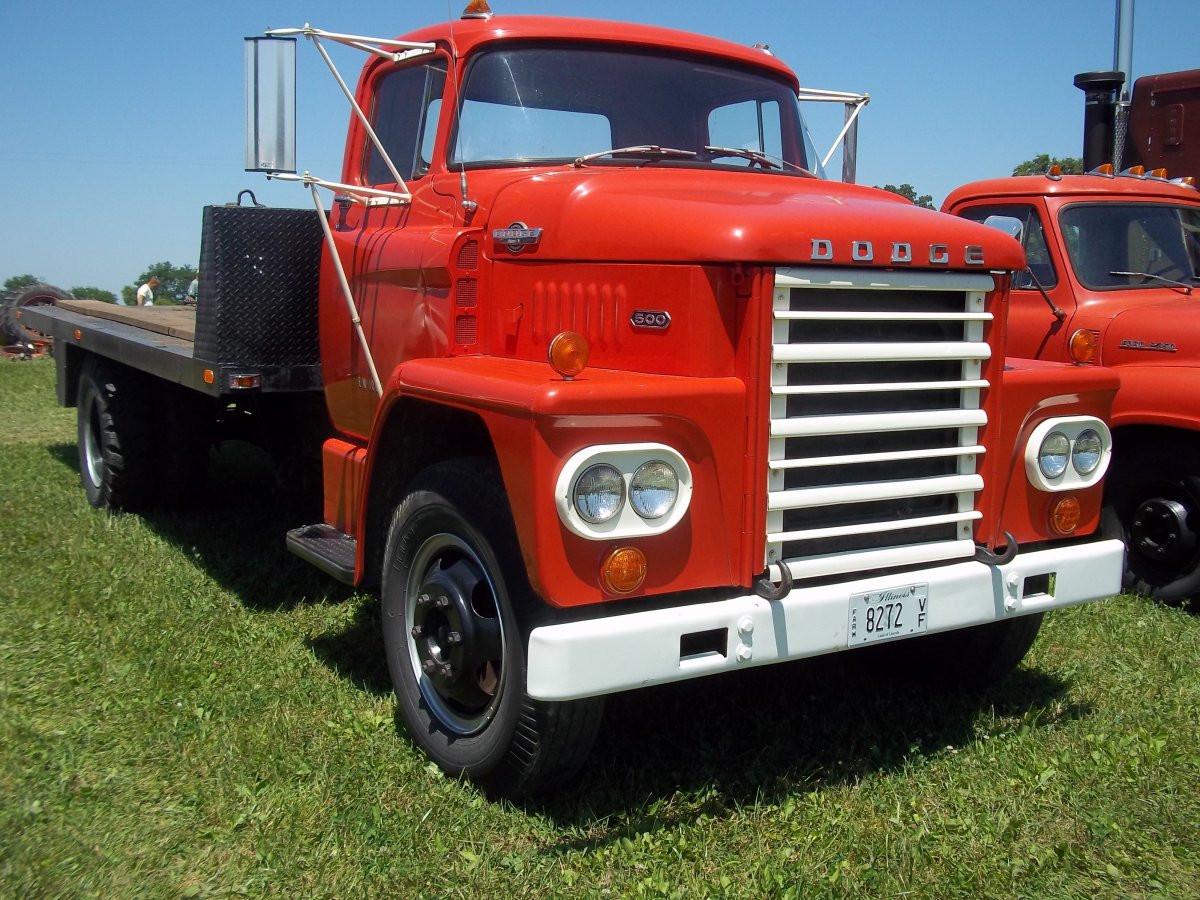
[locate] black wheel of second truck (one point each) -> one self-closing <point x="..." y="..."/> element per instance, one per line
<point x="1153" y="492"/>
<point x="116" y="437"/>
<point x="453" y="584"/>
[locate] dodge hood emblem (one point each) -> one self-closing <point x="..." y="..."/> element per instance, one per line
<point x="517" y="236"/>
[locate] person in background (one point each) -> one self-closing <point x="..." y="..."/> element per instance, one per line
<point x="193" y="290"/>
<point x="145" y="294"/>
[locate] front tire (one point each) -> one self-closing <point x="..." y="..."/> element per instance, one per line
<point x="453" y="585"/>
<point x="1154" y="496"/>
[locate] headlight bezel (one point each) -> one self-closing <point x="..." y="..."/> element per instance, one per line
<point x="626" y="459"/>
<point x="1071" y="477"/>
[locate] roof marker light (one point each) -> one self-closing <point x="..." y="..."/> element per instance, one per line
<point x="1135" y="171"/>
<point x="1054" y="173"/>
<point x="1105" y="170"/>
<point x="1158" y="173"/>
<point x="1185" y="181"/>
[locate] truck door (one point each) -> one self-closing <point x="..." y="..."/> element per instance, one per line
<point x="1033" y="330"/>
<point x="381" y="246"/>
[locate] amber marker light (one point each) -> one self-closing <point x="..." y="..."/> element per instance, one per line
<point x="624" y="570"/>
<point x="78" y="334"/>
<point x="1064" y="515"/>
<point x="1159" y="173"/>
<point x="568" y="354"/>
<point x="1103" y="169"/>
<point x="209" y="376"/>
<point x="1083" y="346"/>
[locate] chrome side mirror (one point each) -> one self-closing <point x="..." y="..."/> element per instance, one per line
<point x="271" y="104"/>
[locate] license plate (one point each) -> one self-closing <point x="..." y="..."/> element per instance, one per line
<point x="895" y="612"/>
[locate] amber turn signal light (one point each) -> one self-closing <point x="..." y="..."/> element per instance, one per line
<point x="624" y="570"/>
<point x="1083" y="346"/>
<point x="1064" y="516"/>
<point x="568" y="354"/>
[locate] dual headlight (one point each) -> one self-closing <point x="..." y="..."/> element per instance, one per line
<point x="1067" y="454"/>
<point x="623" y="490"/>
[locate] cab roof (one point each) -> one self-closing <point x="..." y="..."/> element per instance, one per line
<point x="1129" y="186"/>
<point x="467" y="35"/>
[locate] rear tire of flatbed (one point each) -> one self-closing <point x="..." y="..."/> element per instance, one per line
<point x="116" y="438"/>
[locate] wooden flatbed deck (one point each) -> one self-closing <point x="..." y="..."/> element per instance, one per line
<point x="174" y="321"/>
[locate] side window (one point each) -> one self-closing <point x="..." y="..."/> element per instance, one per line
<point x="404" y="115"/>
<point x="1033" y="240"/>
<point x="749" y="125"/>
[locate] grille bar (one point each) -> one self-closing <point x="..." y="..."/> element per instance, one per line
<point x="852" y="388"/>
<point x="875" y="414"/>
<point x="820" y="566"/>
<point x="867" y="424"/>
<point x="814" y="353"/>
<point x="897" y="456"/>
<point x="871" y="491"/>
<point x="828" y="316"/>
<point x="811" y="534"/>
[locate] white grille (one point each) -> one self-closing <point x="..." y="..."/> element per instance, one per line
<point x="875" y="418"/>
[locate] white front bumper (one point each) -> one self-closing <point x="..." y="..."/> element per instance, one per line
<point x="620" y="652"/>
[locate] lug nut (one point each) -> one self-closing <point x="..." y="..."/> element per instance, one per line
<point x="454" y="638"/>
<point x="417" y="631"/>
<point x="424" y="600"/>
<point x="427" y="667"/>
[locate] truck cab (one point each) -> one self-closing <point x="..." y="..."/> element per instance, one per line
<point x="1113" y="279"/>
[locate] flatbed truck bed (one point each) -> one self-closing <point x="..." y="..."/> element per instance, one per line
<point x="253" y="330"/>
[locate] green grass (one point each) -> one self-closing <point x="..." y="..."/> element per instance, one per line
<point x="187" y="710"/>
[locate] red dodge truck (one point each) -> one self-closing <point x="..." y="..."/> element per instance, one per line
<point x="1112" y="280"/>
<point x="610" y="390"/>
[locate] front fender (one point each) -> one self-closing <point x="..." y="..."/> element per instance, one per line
<point x="1035" y="391"/>
<point x="537" y="421"/>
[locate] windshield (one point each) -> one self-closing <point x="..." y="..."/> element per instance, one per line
<point x="1127" y="245"/>
<point x="544" y="103"/>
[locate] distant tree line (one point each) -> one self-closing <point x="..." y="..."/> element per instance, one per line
<point x="173" y="284"/>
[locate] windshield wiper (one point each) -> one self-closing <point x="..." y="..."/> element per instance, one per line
<point x="1187" y="288"/>
<point x="753" y="155"/>
<point x="651" y="151"/>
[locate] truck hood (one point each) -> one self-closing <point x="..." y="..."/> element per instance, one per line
<point x="1165" y="333"/>
<point x="661" y="214"/>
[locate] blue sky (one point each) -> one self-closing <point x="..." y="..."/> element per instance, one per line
<point x="122" y="120"/>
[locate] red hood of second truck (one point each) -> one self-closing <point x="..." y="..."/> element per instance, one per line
<point x="656" y="213"/>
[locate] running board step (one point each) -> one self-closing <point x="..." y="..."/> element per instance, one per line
<point x="330" y="550"/>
